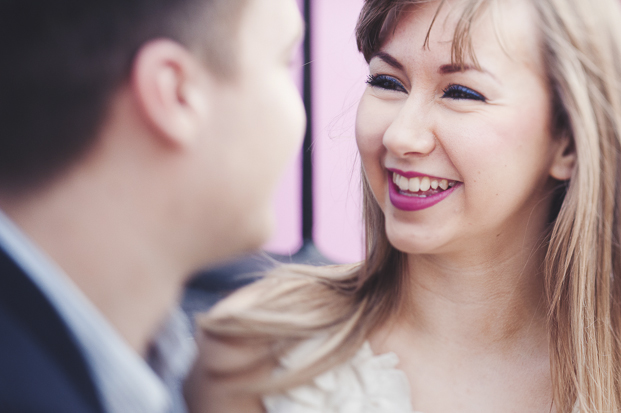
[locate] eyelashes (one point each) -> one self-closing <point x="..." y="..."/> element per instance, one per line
<point x="386" y="82"/>
<point x="452" y="91"/>
<point x="461" y="92"/>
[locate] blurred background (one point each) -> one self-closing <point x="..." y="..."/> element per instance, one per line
<point x="318" y="202"/>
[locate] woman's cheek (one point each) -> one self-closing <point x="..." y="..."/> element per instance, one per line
<point x="372" y="121"/>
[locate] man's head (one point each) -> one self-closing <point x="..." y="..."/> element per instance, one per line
<point x="64" y="59"/>
<point x="189" y="97"/>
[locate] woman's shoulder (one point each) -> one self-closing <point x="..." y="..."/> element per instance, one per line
<point x="366" y="383"/>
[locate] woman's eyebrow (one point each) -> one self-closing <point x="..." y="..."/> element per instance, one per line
<point x="388" y="59"/>
<point x="454" y="68"/>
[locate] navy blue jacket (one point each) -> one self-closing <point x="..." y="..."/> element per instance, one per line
<point x="41" y="366"/>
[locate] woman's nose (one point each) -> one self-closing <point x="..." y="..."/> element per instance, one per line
<point x="410" y="133"/>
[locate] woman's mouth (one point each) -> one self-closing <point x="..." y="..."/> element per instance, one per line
<point x="421" y="186"/>
<point x="418" y="192"/>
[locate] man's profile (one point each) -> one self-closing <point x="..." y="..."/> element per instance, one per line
<point x="140" y="140"/>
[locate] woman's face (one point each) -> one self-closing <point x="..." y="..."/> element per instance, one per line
<point x="459" y="159"/>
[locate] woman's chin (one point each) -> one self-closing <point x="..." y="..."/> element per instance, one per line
<point x="414" y="240"/>
<point x="415" y="245"/>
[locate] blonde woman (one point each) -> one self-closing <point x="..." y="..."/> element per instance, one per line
<point x="490" y="141"/>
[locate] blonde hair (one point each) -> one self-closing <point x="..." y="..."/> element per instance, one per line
<point x="581" y="45"/>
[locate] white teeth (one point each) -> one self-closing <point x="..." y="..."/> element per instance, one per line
<point x="421" y="184"/>
<point x="425" y="184"/>
<point x="403" y="183"/>
<point x="414" y="185"/>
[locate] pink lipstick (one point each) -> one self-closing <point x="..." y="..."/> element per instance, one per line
<point x="421" y="199"/>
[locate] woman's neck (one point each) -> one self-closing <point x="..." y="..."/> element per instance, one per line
<point x="474" y="328"/>
<point x="493" y="301"/>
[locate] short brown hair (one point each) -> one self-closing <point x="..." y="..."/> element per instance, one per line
<point x="63" y="60"/>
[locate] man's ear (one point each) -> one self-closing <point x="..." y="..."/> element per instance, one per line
<point x="170" y="86"/>
<point x="564" y="160"/>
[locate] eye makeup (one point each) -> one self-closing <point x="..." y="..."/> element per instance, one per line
<point x="386" y="82"/>
<point x="452" y="91"/>
<point x="459" y="92"/>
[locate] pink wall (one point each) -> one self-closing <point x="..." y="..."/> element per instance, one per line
<point x="339" y="72"/>
<point x="287" y="237"/>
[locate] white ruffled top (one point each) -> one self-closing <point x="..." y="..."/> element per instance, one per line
<point x="365" y="384"/>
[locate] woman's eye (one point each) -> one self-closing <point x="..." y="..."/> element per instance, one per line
<point x="461" y="92"/>
<point x="386" y="82"/>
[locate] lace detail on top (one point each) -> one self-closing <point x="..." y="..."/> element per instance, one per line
<point x="365" y="384"/>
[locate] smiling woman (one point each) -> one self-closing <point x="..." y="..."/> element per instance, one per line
<point x="489" y="135"/>
<point x="424" y="117"/>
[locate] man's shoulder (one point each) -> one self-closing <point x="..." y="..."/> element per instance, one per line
<point x="41" y="367"/>
<point x="31" y="380"/>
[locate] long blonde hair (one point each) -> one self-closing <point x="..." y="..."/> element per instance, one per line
<point x="581" y="44"/>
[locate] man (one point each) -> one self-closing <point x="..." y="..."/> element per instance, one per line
<point x="140" y="140"/>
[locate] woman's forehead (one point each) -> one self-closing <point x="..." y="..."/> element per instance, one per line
<point x="467" y="28"/>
